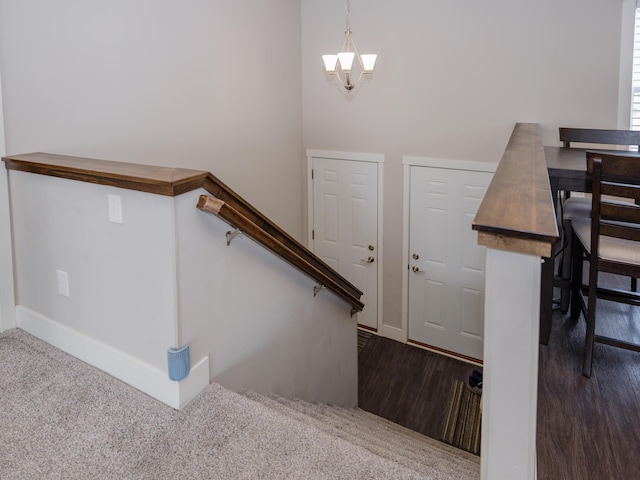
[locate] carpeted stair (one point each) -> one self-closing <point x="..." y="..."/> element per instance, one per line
<point x="427" y="457"/>
<point x="63" y="419"/>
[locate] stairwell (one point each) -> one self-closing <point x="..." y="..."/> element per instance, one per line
<point x="84" y="423"/>
<point x="427" y="457"/>
<point x="97" y="426"/>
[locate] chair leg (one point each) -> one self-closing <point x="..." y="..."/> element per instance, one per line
<point x="565" y="273"/>
<point x="576" y="277"/>
<point x="587" y="361"/>
<point x="590" y="317"/>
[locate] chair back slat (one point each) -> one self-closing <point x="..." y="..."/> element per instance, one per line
<point x="626" y="232"/>
<point x="599" y="136"/>
<point x="617" y="212"/>
<point x="625" y="165"/>
<point x="614" y="218"/>
<point x="617" y="189"/>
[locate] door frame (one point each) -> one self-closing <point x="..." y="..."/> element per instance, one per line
<point x="402" y="335"/>
<point x="376" y="158"/>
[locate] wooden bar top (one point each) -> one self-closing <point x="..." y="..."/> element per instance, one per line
<point x="517" y="212"/>
<point x="145" y="178"/>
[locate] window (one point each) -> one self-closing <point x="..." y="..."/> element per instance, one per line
<point x="635" y="77"/>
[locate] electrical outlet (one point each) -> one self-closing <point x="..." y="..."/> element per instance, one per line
<point x="115" y="208"/>
<point x="63" y="283"/>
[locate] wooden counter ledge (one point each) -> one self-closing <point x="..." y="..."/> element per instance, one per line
<point x="517" y="211"/>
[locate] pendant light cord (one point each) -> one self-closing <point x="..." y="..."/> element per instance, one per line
<point x="348" y="17"/>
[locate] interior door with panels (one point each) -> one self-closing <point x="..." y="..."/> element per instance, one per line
<point x="446" y="265"/>
<point x="345" y="225"/>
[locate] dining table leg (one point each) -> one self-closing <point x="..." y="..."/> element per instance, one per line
<point x="546" y="279"/>
<point x="546" y="299"/>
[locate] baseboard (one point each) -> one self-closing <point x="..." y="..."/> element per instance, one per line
<point x="121" y="365"/>
<point x="446" y="353"/>
<point x="394" y="333"/>
<point x="367" y="329"/>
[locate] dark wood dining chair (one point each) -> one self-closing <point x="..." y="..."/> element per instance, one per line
<point x="569" y="136"/>
<point x="580" y="207"/>
<point x="610" y="242"/>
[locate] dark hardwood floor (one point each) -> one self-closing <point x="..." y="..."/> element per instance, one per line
<point x="406" y="384"/>
<point x="587" y="428"/>
<point x="590" y="427"/>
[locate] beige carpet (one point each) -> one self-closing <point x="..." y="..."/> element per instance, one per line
<point x="62" y="419"/>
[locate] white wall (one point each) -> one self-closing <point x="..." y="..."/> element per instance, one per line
<point x="7" y="311"/>
<point x="121" y="276"/>
<point x="211" y="85"/>
<point x="217" y="86"/>
<point x="165" y="278"/>
<point x="257" y="318"/>
<point x="452" y="79"/>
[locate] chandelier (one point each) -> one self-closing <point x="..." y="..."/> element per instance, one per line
<point x="342" y="64"/>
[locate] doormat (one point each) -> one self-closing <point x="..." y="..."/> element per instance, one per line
<point x="363" y="338"/>
<point x="462" y="423"/>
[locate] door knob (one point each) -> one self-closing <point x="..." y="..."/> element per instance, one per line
<point x="368" y="260"/>
<point x="415" y="256"/>
<point x="416" y="270"/>
<point x="371" y="247"/>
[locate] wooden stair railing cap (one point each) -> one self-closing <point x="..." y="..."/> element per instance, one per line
<point x="132" y="176"/>
<point x="517" y="213"/>
<point x="173" y="182"/>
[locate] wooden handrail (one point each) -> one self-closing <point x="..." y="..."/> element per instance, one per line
<point x="517" y="212"/>
<point x="219" y="190"/>
<point x="175" y="181"/>
<point x="248" y="227"/>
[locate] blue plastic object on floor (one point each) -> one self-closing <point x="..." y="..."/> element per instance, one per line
<point x="179" y="363"/>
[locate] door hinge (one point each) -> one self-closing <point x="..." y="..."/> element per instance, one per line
<point x="312" y="173"/>
<point x="313" y="234"/>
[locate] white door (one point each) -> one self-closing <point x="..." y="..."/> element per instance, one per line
<point x="345" y="225"/>
<point x="446" y="265"/>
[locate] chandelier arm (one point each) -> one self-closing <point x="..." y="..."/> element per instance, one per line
<point x="340" y="80"/>
<point x="355" y="50"/>
<point x="346" y="82"/>
<point x="353" y="45"/>
<point x="359" y="78"/>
